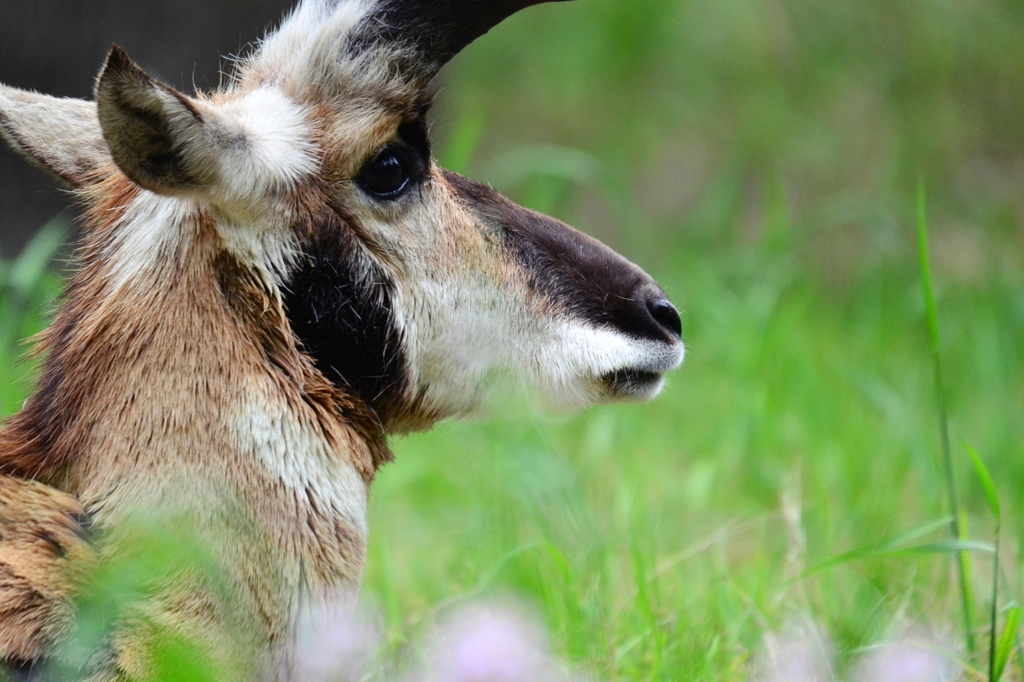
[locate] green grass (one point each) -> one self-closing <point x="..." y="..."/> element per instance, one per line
<point x="760" y="158"/>
<point x="788" y="391"/>
<point x="27" y="293"/>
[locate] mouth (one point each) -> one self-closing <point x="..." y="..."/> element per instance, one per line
<point x="644" y="382"/>
<point x="633" y="384"/>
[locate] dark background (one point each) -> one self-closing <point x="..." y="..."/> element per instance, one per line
<point x="58" y="46"/>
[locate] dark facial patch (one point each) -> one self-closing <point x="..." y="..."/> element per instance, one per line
<point x="339" y="306"/>
<point x="581" y="274"/>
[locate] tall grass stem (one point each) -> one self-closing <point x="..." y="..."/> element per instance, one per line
<point x="957" y="525"/>
<point x="995" y="669"/>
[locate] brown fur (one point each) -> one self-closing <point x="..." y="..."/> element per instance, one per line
<point x="36" y="442"/>
<point x="42" y="553"/>
<point x="130" y="397"/>
<point x="213" y="303"/>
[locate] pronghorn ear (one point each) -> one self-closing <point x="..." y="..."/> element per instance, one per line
<point x="155" y="133"/>
<point x="60" y="135"/>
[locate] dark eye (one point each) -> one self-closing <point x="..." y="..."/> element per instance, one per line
<point x="387" y="175"/>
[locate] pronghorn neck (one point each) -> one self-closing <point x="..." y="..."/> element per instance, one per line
<point x="171" y="351"/>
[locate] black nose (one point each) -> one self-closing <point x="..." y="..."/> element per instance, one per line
<point x="665" y="314"/>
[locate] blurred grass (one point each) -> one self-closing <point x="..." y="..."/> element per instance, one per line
<point x="760" y="158"/>
<point x="28" y="289"/>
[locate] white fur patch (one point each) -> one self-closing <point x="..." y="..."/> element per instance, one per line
<point x="458" y="347"/>
<point x="266" y="245"/>
<point x="311" y="34"/>
<point x="462" y="332"/>
<point x="267" y="145"/>
<point x="300" y="458"/>
<point x="145" y="239"/>
<point x="583" y="352"/>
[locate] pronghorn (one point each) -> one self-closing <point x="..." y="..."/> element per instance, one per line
<point x="272" y="278"/>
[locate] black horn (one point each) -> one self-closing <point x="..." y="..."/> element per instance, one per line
<point x="431" y="32"/>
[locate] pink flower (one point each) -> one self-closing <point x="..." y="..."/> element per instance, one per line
<point x="905" y="660"/>
<point x="491" y="643"/>
<point x="802" y="655"/>
<point x="335" y="645"/>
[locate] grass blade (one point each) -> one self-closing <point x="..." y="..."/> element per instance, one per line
<point x="957" y="526"/>
<point x="931" y="310"/>
<point x="30" y="267"/>
<point x="947" y="547"/>
<point x="993" y="502"/>
<point x="900" y="544"/>
<point x="1006" y="643"/>
<point x="987" y="484"/>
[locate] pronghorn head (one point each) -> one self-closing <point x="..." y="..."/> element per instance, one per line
<point x="407" y="285"/>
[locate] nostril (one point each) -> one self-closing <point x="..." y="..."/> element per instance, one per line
<point x="666" y="315"/>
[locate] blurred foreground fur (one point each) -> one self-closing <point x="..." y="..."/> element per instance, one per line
<point x="274" y="278"/>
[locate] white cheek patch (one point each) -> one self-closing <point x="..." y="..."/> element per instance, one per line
<point x="456" y="337"/>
